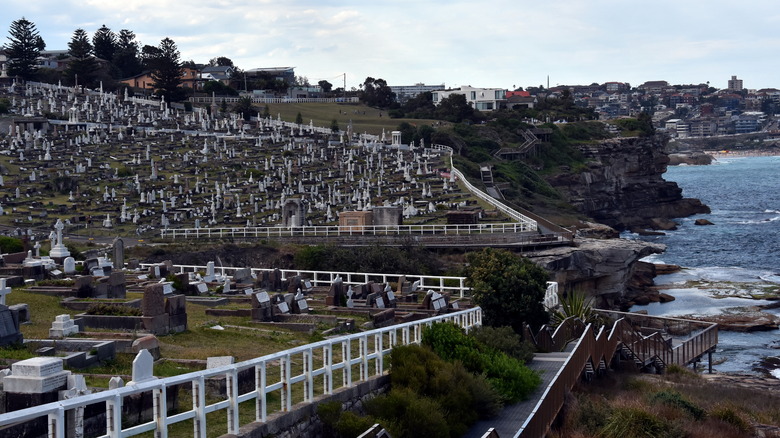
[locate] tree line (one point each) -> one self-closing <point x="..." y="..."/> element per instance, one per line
<point x="105" y="57"/>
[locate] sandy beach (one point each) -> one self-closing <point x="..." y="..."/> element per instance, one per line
<point x="743" y="153"/>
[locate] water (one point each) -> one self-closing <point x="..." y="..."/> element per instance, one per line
<point x="738" y="255"/>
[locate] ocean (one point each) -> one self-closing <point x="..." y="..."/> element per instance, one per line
<point x="729" y="264"/>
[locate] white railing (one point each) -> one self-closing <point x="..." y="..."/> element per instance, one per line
<point x="234" y="99"/>
<point x="348" y="230"/>
<point x="312" y="370"/>
<point x="455" y="285"/>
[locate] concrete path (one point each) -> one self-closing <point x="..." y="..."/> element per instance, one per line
<point x="511" y="418"/>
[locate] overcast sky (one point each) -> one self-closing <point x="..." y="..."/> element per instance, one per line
<point x="491" y="43"/>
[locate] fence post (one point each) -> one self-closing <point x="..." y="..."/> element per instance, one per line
<point x="160" y="410"/>
<point x="199" y="405"/>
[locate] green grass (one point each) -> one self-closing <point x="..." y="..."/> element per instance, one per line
<point x="364" y="118"/>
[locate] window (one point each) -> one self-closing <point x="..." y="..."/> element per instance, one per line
<point x="473" y="95"/>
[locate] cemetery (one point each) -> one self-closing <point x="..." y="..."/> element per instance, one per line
<point x="106" y="164"/>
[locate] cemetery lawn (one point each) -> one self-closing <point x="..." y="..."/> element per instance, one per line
<point x="240" y="338"/>
<point x="364" y="118"/>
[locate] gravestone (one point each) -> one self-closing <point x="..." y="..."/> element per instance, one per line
<point x="143" y="368"/>
<point x="117" y="285"/>
<point x="283" y="308"/>
<point x="69" y="265"/>
<point x="116" y="382"/>
<point x="36" y="376"/>
<point x="4" y="290"/>
<point x="176" y="308"/>
<point x="83" y="287"/>
<point x="219" y="361"/>
<point x="262" y="310"/>
<point x="243" y="275"/>
<point x="209" y="272"/>
<point x="153" y="301"/>
<point x="335" y="293"/>
<point x="9" y="327"/>
<point x="119" y="253"/>
<point x="62" y="327"/>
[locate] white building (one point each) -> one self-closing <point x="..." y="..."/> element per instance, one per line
<point x="482" y="99"/>
<point x="406" y="92"/>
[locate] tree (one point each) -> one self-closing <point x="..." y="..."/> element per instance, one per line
<point x="334" y="126"/>
<point x="165" y="64"/>
<point x="509" y="288"/>
<point x="26" y="44"/>
<point x="455" y="108"/>
<point x="82" y="67"/>
<point x="221" y="61"/>
<point x="376" y="93"/>
<point x="325" y="85"/>
<point x="244" y="107"/>
<point x="126" y="58"/>
<point x="299" y="119"/>
<point x="104" y="43"/>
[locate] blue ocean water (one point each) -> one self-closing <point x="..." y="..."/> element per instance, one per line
<point x="743" y="247"/>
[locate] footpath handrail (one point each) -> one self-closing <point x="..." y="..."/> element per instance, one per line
<point x="365" y="351"/>
<point x="439" y="283"/>
<point x="599" y="348"/>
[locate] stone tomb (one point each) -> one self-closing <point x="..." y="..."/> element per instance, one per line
<point x="62" y="327"/>
<point x="36" y="376"/>
<point x="262" y="310"/>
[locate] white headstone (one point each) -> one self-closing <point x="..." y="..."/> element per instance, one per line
<point x="4" y="290"/>
<point x="143" y="368"/>
<point x="36" y="376"/>
<point x="219" y="361"/>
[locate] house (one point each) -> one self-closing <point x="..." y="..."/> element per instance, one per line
<point x="513" y="102"/>
<point x="3" y="63"/>
<point x="144" y="80"/>
<point x="286" y="74"/>
<point x="221" y="73"/>
<point x="482" y="99"/>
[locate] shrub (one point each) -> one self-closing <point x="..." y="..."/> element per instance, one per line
<point x="112" y="310"/>
<point x="504" y="339"/>
<point x="10" y="245"/>
<point x="630" y="422"/>
<point x="406" y="414"/>
<point x="676" y="400"/>
<point x="507" y="375"/>
<point x="352" y="425"/>
<point x="729" y="415"/>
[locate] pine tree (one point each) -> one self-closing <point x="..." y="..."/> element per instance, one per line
<point x="165" y="63"/>
<point x="126" y="58"/>
<point x="82" y="67"/>
<point x="105" y="43"/>
<point x="26" y="44"/>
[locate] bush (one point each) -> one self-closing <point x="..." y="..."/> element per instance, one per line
<point x="729" y="415"/>
<point x="10" y="245"/>
<point x="112" y="310"/>
<point x="408" y="415"/>
<point x="676" y="400"/>
<point x="630" y="422"/>
<point x="504" y="339"/>
<point x="507" y="375"/>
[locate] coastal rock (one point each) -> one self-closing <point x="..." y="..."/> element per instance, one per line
<point x="623" y="185"/>
<point x="663" y="269"/>
<point x="597" y="231"/>
<point x="750" y="319"/>
<point x="608" y="269"/>
<point x="692" y="158"/>
<point x="702" y="222"/>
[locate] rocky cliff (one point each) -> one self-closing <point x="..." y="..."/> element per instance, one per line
<point x="608" y="269"/>
<point x="623" y="185"/>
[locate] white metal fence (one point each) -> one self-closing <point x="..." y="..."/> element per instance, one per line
<point x="303" y="373"/>
<point x="348" y="230"/>
<point x="454" y="285"/>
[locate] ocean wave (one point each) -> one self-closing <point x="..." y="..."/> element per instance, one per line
<point x="757" y="221"/>
<point x="732" y="274"/>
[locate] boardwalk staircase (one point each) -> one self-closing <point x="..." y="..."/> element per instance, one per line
<point x="490" y="186"/>
<point x="530" y="141"/>
<point x="645" y="342"/>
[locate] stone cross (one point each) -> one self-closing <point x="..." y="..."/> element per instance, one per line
<point x="4" y="290"/>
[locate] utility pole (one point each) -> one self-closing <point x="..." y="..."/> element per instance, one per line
<point x="345" y="87"/>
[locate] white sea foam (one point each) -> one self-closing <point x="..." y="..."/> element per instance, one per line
<point x="775" y="372"/>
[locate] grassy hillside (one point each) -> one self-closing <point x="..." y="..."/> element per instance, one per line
<point x="364" y="118"/>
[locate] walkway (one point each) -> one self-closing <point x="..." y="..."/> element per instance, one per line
<point x="511" y="418"/>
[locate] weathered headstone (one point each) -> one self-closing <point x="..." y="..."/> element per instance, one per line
<point x="176" y="308"/>
<point x="119" y="253"/>
<point x="117" y="286"/>
<point x="69" y="265"/>
<point x="4" y="290"/>
<point x="219" y="361"/>
<point x="143" y="368"/>
<point x="243" y="275"/>
<point x="209" y="272"/>
<point x="9" y="327"/>
<point x="153" y="301"/>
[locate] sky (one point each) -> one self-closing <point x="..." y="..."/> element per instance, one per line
<point x="488" y="43"/>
